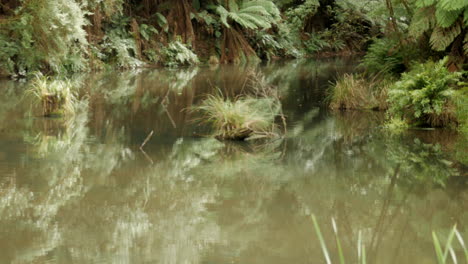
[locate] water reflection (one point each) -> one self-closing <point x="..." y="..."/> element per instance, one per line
<point x="80" y="190"/>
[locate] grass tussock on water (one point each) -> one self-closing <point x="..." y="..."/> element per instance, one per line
<point x="56" y="97"/>
<point x="240" y="118"/>
<point x="353" y="92"/>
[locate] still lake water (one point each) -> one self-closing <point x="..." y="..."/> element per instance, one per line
<point x="81" y="191"/>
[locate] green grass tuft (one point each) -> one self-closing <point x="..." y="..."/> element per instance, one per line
<point x="352" y="92"/>
<point x="56" y="96"/>
<point x="240" y="118"/>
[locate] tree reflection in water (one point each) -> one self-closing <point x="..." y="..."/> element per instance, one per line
<point x="81" y="191"/>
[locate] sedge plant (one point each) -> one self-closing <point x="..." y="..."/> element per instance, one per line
<point x="240" y="118"/>
<point x="353" y="92"/>
<point x="55" y="96"/>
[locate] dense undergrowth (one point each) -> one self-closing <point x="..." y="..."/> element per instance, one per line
<point x="62" y="37"/>
<point x="414" y="68"/>
<point x="427" y="95"/>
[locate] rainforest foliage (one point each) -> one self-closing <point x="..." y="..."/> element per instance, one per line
<point x="66" y="36"/>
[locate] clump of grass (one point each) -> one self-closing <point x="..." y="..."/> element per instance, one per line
<point x="241" y="118"/>
<point x="55" y="96"/>
<point x="353" y="91"/>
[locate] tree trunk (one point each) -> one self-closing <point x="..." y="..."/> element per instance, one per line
<point x="180" y="21"/>
<point x="235" y="46"/>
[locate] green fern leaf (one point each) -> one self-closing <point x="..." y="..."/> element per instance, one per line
<point x="465" y="17"/>
<point x="452" y="5"/>
<point x="223" y="15"/>
<point x="423" y="20"/>
<point x="233" y="7"/>
<point x="424" y="3"/>
<point x="259" y="14"/>
<point x="268" y="6"/>
<point x="465" y="46"/>
<point x="257" y="21"/>
<point x="447" y="18"/>
<point x="256" y="10"/>
<point x="441" y="38"/>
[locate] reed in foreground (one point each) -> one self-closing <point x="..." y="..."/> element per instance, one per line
<point x="451" y="252"/>
<point x="361" y="254"/>
<point x="443" y="253"/>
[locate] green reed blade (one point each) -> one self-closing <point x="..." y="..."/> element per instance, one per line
<point x="438" y="249"/>
<point x="338" y="244"/>
<point x="322" y="241"/>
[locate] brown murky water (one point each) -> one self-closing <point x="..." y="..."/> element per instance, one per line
<point x="81" y="190"/>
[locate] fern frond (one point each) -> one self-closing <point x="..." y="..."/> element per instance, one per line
<point x="255" y="10"/>
<point x="268" y="6"/>
<point x="233" y="6"/>
<point x="223" y="15"/>
<point x="465" y="46"/>
<point x="257" y="21"/>
<point x="424" y="3"/>
<point x="257" y="14"/>
<point x="452" y="5"/>
<point x="423" y="20"/>
<point x="447" y="18"/>
<point x="465" y="17"/>
<point x="441" y="37"/>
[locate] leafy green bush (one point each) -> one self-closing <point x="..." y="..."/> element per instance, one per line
<point x="298" y="15"/>
<point x="424" y="95"/>
<point x="118" y="46"/>
<point x="176" y="53"/>
<point x="45" y="35"/>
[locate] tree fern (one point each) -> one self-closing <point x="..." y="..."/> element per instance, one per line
<point x="465" y="46"/>
<point x="297" y="16"/>
<point x="256" y="14"/>
<point x="424" y="3"/>
<point x="423" y="20"/>
<point x="447" y="19"/>
<point x="465" y="16"/>
<point x="452" y="5"/>
<point x="441" y="37"/>
<point x="48" y="34"/>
